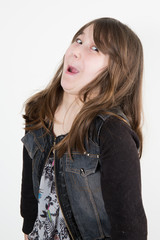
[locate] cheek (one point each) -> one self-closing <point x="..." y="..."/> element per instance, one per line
<point x="65" y="57"/>
<point x="92" y="69"/>
<point x="67" y="53"/>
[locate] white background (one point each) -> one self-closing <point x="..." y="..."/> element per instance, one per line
<point x="34" y="35"/>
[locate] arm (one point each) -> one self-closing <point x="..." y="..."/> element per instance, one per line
<point x="25" y="237"/>
<point x="29" y="203"/>
<point x="121" y="181"/>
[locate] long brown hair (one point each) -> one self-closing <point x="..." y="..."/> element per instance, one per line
<point x="120" y="84"/>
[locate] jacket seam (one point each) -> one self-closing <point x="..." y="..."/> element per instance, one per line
<point x="95" y="210"/>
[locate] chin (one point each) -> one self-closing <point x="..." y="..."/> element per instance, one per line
<point x="70" y="91"/>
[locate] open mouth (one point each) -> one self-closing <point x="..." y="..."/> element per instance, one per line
<point x="72" y="70"/>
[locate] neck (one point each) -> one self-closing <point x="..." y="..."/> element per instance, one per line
<point x="66" y="113"/>
<point x="69" y="100"/>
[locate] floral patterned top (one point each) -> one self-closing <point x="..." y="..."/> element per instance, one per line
<point x="50" y="222"/>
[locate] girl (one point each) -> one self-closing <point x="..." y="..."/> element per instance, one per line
<point x="83" y="141"/>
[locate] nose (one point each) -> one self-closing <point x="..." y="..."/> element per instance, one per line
<point x="76" y="52"/>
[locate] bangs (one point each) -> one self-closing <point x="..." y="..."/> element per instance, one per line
<point x="110" y="37"/>
<point x="101" y="37"/>
<point x="101" y="34"/>
<point x="107" y="33"/>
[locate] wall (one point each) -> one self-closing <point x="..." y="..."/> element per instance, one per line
<point x="34" y="37"/>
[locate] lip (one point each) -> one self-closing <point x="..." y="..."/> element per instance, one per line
<point x="72" y="70"/>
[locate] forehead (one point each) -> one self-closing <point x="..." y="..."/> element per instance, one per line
<point x="87" y="32"/>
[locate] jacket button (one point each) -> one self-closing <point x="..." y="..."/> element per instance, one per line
<point x="82" y="171"/>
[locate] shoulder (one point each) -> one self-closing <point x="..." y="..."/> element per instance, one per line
<point x="119" y="152"/>
<point x="118" y="135"/>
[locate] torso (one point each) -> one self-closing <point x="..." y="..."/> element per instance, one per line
<point x="50" y="222"/>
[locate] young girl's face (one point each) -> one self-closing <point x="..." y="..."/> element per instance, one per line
<point x="82" y="62"/>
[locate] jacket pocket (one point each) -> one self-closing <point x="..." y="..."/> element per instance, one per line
<point x="82" y="164"/>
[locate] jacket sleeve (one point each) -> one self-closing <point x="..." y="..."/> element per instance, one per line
<point x="121" y="181"/>
<point x="29" y="204"/>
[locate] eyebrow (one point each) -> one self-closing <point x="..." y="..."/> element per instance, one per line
<point x="81" y="33"/>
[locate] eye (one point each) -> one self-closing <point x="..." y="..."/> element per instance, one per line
<point x="94" y="48"/>
<point x="78" y="41"/>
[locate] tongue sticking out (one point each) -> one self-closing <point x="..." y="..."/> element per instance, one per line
<point x="73" y="70"/>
